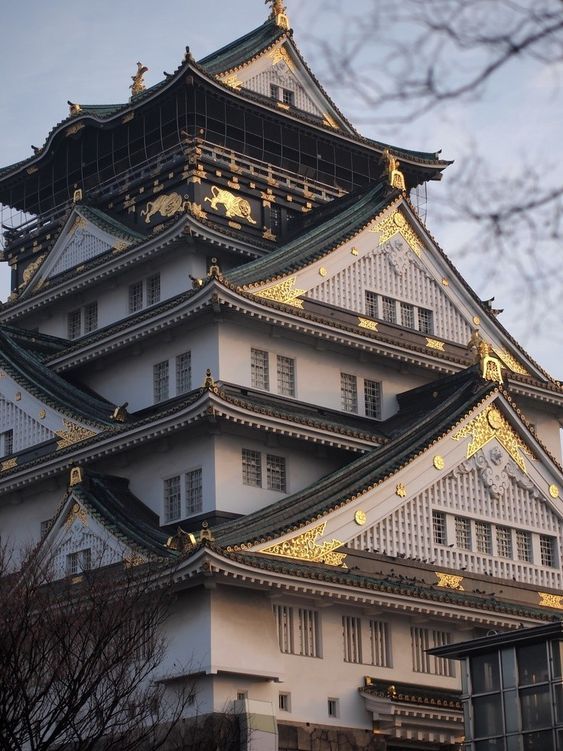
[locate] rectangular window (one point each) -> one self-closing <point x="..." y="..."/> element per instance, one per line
<point x="284" y="702"/>
<point x="483" y="538"/>
<point x="463" y="533"/>
<point x="380" y="644"/>
<point x="425" y="321"/>
<point x="286" y="375"/>
<point x="372" y="397"/>
<point x="371" y="304"/>
<point x="309" y="633"/>
<point x="388" y="310"/>
<point x="153" y="289"/>
<point x="407" y="315"/>
<point x="423" y="639"/>
<point x="504" y="542"/>
<point x="349" y="392"/>
<point x="194" y="491"/>
<point x="90" y="317"/>
<point x="160" y="381"/>
<point x="78" y="562"/>
<point x="283" y="615"/>
<point x="172" y="499"/>
<point x="135" y="297"/>
<point x="547" y="550"/>
<point x="276" y="473"/>
<point x="7" y="443"/>
<point x="288" y="96"/>
<point x="74" y="324"/>
<point x="183" y="373"/>
<point x="439" y="528"/>
<point x="332" y="707"/>
<point x="523" y="545"/>
<point x="352" y="638"/>
<point x="274" y="91"/>
<point x="251" y="468"/>
<point x="259" y="370"/>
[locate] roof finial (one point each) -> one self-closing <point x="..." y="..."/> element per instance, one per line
<point x="396" y="177"/>
<point x="491" y="366"/>
<point x="138" y="84"/>
<point x="278" y="13"/>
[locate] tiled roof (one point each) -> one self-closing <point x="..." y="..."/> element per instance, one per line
<point x="242" y="49"/>
<point x="109" y="224"/>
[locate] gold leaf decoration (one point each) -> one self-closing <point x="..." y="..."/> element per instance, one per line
<point x="231" y="80"/>
<point x="434" y="344"/>
<point x="280" y="55"/>
<point x="285" y="292"/>
<point x="305" y="547"/>
<point x="401" y="490"/>
<point x="77" y="513"/>
<point x="8" y="464"/>
<point x="31" y="269"/>
<point x="510" y="361"/>
<point x="166" y="205"/>
<point x="330" y="121"/>
<point x="233" y="205"/>
<point x="450" y="581"/>
<point x="366" y="323"/>
<point x="71" y="434"/>
<point x="396" y="224"/>
<point x="489" y="424"/>
<point x="549" y="600"/>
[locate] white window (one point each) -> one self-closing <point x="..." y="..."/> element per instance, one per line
<point x="252" y="468"/>
<point x="183" y="373"/>
<point x="259" y="370"/>
<point x="288" y="96"/>
<point x="425" y="321"/>
<point x="371" y="304"/>
<point x="135" y="297"/>
<point x="423" y="639"/>
<point x="276" y="473"/>
<point x="463" y="533"/>
<point x="309" y="645"/>
<point x="333" y="707"/>
<point x="286" y="375"/>
<point x="153" y="289"/>
<point x="504" y="542"/>
<point x="389" y="309"/>
<point x="183" y="491"/>
<point x="194" y="491"/>
<point x="90" y="317"/>
<point x="82" y="320"/>
<point x="483" y="537"/>
<point x="160" y="381"/>
<point x="349" y="392"/>
<point x="274" y="91"/>
<point x="372" y="398"/>
<point x="523" y="545"/>
<point x="439" y="528"/>
<point x="283" y="615"/>
<point x="78" y="562"/>
<point x="144" y="292"/>
<point x="7" y="443"/>
<point x="352" y="638"/>
<point x="380" y="644"/>
<point x="547" y="550"/>
<point x="172" y="499"/>
<point x="407" y="315"/>
<point x="284" y="702"/>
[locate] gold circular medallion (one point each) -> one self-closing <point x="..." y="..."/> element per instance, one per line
<point x="360" y="517"/>
<point x="445" y="281"/>
<point x="439" y="462"/>
<point x="354" y="251"/>
<point x="42" y="414"/>
<point x="476" y="320"/>
<point x="399" y="219"/>
<point x="323" y="271"/>
<point x="495" y="419"/>
<point x="554" y="491"/>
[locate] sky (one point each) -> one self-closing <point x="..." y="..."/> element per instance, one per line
<point x="87" y="51"/>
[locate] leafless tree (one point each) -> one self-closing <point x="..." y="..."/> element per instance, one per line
<point x="79" y="660"/>
<point x="409" y="61"/>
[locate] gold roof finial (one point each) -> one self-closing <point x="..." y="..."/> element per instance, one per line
<point x="278" y="13"/>
<point x="396" y="177"/>
<point x="74" y="108"/>
<point x="138" y="84"/>
<point x="491" y="367"/>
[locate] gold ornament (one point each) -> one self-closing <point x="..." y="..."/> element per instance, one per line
<point x="231" y="80"/>
<point x="305" y="547"/>
<point x="450" y="581"/>
<point x="138" y="84"/>
<point x="284" y="292"/>
<point x="77" y="513"/>
<point x="396" y="177"/>
<point x="166" y="205"/>
<point x="434" y="344"/>
<point x="233" y="205"/>
<point x="72" y="434"/>
<point x="554" y="491"/>
<point x="401" y="490"/>
<point x="280" y="55"/>
<point x="396" y="224"/>
<point x="360" y="517"/>
<point x="366" y="323"/>
<point x="439" y="462"/>
<point x="549" y="600"/>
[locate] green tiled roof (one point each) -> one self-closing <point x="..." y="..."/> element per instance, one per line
<point x="242" y="49"/>
<point x="107" y="223"/>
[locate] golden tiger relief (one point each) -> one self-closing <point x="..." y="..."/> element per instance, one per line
<point x="234" y="205"/>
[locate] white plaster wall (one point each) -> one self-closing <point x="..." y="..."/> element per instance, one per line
<point x="21" y="513"/>
<point x="547" y="427"/>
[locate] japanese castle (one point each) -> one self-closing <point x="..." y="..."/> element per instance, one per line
<point x="233" y="345"/>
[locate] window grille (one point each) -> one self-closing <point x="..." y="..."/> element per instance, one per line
<point x="78" y="562"/>
<point x="183" y="372"/>
<point x="259" y="370"/>
<point x="153" y="289"/>
<point x="463" y="533"/>
<point x="286" y="375"/>
<point x="439" y="527"/>
<point x="371" y="304"/>
<point x="160" y="381"/>
<point x="483" y="538"/>
<point x="380" y="644"/>
<point x="7" y="442"/>
<point x="407" y="315"/>
<point x="194" y="491"/>
<point x="283" y="615"/>
<point x="389" y="309"/>
<point x="547" y="550"/>
<point x="309" y="633"/>
<point x="172" y="499"/>
<point x="504" y="542"/>
<point x="425" y="321"/>
<point x="74" y="324"/>
<point x="372" y="398"/>
<point x="274" y="91"/>
<point x="251" y="468"/>
<point x="349" y="392"/>
<point x="276" y="473"/>
<point x="135" y="297"/>
<point x="523" y="545"/>
<point x="288" y="96"/>
<point x="352" y="638"/>
<point x="90" y="317"/>
<point x="423" y="639"/>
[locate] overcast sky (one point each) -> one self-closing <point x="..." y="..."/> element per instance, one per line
<point x="86" y="51"/>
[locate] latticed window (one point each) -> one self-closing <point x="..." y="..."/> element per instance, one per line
<point x="523" y="545"/>
<point x="90" y="317"/>
<point x="259" y="370"/>
<point x="74" y="324"/>
<point x="286" y="375"/>
<point x="423" y="639"/>
<point x="160" y="381"/>
<point x="349" y="392"/>
<point x="371" y="304"/>
<point x="504" y="542"/>
<point x="172" y="498"/>
<point x="135" y="297"/>
<point x="407" y="315"/>
<point x="483" y="537"/>
<point x="547" y="550"/>
<point x="251" y="468"/>
<point x="78" y="562"/>
<point x="194" y="491"/>
<point x="7" y="443"/>
<point x="380" y="644"/>
<point x="183" y="372"/>
<point x="352" y="638"/>
<point x="274" y="91"/>
<point x="309" y="633"/>
<point x="388" y="310"/>
<point x="288" y="96"/>
<point x="372" y="398"/>
<point x="283" y="615"/>
<point x="153" y="289"/>
<point x="439" y="528"/>
<point x="425" y="321"/>
<point x="276" y="473"/>
<point x="463" y="533"/>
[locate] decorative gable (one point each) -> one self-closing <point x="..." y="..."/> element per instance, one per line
<point x="26" y="429"/>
